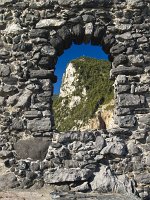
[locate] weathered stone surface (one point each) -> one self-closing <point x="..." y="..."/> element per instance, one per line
<point x="35" y="125"/>
<point x="65" y="2"/>
<point x="32" y="114"/>
<point x="43" y="23"/>
<point x="118" y="149"/>
<point x="143" y="178"/>
<point x="67" y="175"/>
<point x="34" y="148"/>
<point x="120" y="59"/>
<point x="4" y="70"/>
<point x="8" y="181"/>
<point x="103" y="181"/>
<point x="10" y="80"/>
<point x="133" y="149"/>
<point x="24" y="98"/>
<point x="17" y="124"/>
<point x="13" y="29"/>
<point x="6" y="154"/>
<point x="99" y="143"/>
<point x="127" y="121"/>
<point x="126" y="100"/>
<point x="5" y="2"/>
<point x="41" y="73"/>
<point x="43" y="33"/>
<point x="122" y="70"/>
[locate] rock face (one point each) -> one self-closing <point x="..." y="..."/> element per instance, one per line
<point x="33" y="34"/>
<point x="79" y="105"/>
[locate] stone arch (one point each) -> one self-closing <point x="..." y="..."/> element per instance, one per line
<point x="31" y="45"/>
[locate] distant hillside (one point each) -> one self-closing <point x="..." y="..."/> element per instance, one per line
<point x="85" y="88"/>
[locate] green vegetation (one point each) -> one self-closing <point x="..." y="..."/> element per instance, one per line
<point x="93" y="75"/>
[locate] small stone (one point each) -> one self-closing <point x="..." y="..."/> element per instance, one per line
<point x="6" y="154"/>
<point x="13" y="29"/>
<point x="43" y="23"/>
<point x="24" y="98"/>
<point x="143" y="178"/>
<point x="8" y="181"/>
<point x="4" y="70"/>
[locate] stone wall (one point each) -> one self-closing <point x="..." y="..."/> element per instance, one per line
<point x="33" y="34"/>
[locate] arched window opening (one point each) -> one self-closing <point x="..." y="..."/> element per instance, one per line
<point x="86" y="97"/>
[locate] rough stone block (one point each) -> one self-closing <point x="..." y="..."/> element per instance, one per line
<point x="34" y="148"/>
<point x="122" y="70"/>
<point x="43" y="124"/>
<point x="67" y="175"/>
<point x="128" y="100"/>
<point x="32" y="114"/>
<point x="143" y="178"/>
<point x="43" y="23"/>
<point x="127" y="121"/>
<point x="4" y="70"/>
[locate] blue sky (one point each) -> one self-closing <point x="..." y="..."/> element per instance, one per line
<point x="73" y="52"/>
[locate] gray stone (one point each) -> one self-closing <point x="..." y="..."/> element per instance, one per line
<point x="135" y="3"/>
<point x="41" y="73"/>
<point x="127" y="100"/>
<point x="17" y="124"/>
<point x="88" y="32"/>
<point x="65" y="2"/>
<point x="123" y="111"/>
<point x="120" y="59"/>
<point x="133" y="149"/>
<point x="137" y="60"/>
<point x="8" y="89"/>
<point x="145" y="119"/>
<point x="88" y="18"/>
<point x="90" y="3"/>
<point x="143" y="178"/>
<point x="43" y="33"/>
<point x="8" y="181"/>
<point x="127" y="121"/>
<point x="103" y="181"/>
<point x="10" y="80"/>
<point x="6" y="154"/>
<point x="4" y="70"/>
<point x="1" y="100"/>
<point x="43" y="23"/>
<point x="34" y="148"/>
<point x="67" y="175"/>
<point x="122" y="70"/>
<point x="5" y="2"/>
<point x="124" y="36"/>
<point x="32" y="114"/>
<point x="13" y="29"/>
<point x="38" y="125"/>
<point x="24" y="98"/>
<point x="99" y="143"/>
<point x="118" y="49"/>
<point x="115" y="148"/>
<point x="123" y="89"/>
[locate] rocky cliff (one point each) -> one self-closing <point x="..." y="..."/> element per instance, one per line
<point x="85" y="95"/>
